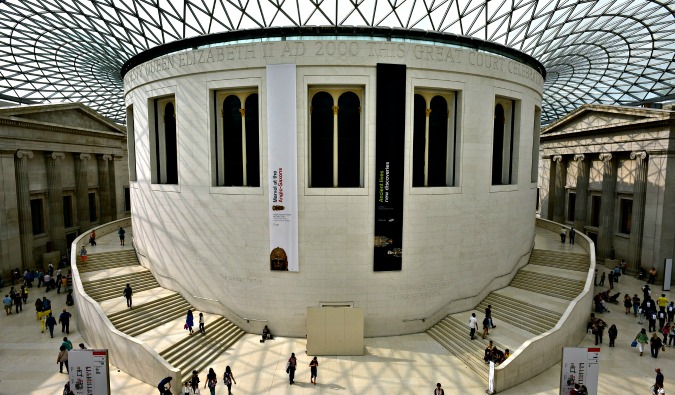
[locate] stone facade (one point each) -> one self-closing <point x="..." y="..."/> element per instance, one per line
<point x="51" y="161"/>
<point x="212" y="241"/>
<point x="609" y="171"/>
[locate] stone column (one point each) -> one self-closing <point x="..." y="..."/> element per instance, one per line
<point x="82" y="191"/>
<point x="23" y="200"/>
<point x="580" y="207"/>
<point x="10" y="238"/>
<point x="559" y="197"/>
<point x="57" y="235"/>
<point x="637" y="221"/>
<point x="112" y="186"/>
<point x="551" y="189"/>
<point x="606" y="236"/>
<point x="104" y="188"/>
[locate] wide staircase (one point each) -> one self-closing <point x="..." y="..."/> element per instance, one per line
<point x="194" y="352"/>
<point x="531" y="305"/>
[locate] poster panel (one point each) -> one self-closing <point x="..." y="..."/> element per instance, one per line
<point x="389" y="158"/>
<point x="282" y="167"/>
<point x="88" y="372"/>
<point x="581" y="366"/>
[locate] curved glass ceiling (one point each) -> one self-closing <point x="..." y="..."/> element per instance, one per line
<point x="594" y="51"/>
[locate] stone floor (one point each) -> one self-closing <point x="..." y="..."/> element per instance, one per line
<point x="408" y="364"/>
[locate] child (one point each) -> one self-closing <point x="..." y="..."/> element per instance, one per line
<point x="186" y="388"/>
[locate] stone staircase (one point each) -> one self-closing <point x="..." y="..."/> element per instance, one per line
<point x="551" y="280"/>
<point x="192" y="352"/>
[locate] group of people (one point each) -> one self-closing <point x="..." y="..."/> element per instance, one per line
<point x="292" y="365"/>
<point x="563" y="235"/>
<point x="487" y="323"/>
<point x="191" y="386"/>
<point x="190" y="322"/>
<point x="494" y="354"/>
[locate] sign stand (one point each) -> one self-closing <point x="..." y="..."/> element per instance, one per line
<point x="89" y="372"/>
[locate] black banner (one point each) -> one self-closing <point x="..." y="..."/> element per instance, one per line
<point x="389" y="158"/>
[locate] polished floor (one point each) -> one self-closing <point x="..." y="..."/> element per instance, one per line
<point x="410" y="364"/>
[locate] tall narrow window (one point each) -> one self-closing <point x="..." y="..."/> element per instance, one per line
<point x="336" y="139"/>
<point x="127" y="199"/>
<point x="504" y="143"/>
<point x="237" y="144"/>
<point x="536" y="131"/>
<point x="131" y="143"/>
<point x="93" y="207"/>
<point x="434" y="140"/>
<point x="595" y="210"/>
<point x="37" y="215"/>
<point x="165" y="144"/>
<point x="625" y="216"/>
<point x="571" y="203"/>
<point x="68" y="219"/>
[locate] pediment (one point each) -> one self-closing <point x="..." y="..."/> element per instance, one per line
<point x="591" y="117"/>
<point x="76" y="116"/>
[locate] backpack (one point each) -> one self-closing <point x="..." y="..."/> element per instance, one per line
<point x="227" y="379"/>
<point x="653" y="316"/>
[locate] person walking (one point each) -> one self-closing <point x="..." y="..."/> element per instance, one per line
<point x="83" y="256"/>
<point x="612" y="332"/>
<point x="662" y="302"/>
<point x="228" y="379"/>
<point x="51" y="323"/>
<point x="627" y="303"/>
<point x="641" y="339"/>
<point x="652" y="315"/>
<point x="563" y="235"/>
<point x="665" y="330"/>
<point x="486" y="327"/>
<point x="92" y="238"/>
<point x="24" y="294"/>
<point x="670" y="310"/>
<point x="473" y="325"/>
<point x="7" y="301"/>
<point x="598" y="330"/>
<point x="488" y="314"/>
<point x="611" y="280"/>
<point x="211" y="381"/>
<point x="290" y="368"/>
<point x="189" y="321"/>
<point x="201" y="324"/>
<point x="64" y="320"/>
<point x="572" y="234"/>
<point x="602" y="279"/>
<point x="671" y="336"/>
<point x="655" y="344"/>
<point x="439" y="390"/>
<point x="18" y="302"/>
<point x="313" y="368"/>
<point x="661" y="316"/>
<point x="121" y="233"/>
<point x="62" y="359"/>
<point x="194" y="381"/>
<point x="636" y="304"/>
<point x="67" y="344"/>
<point x="652" y="275"/>
<point x="127" y="294"/>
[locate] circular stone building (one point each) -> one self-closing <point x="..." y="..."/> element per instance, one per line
<point x="277" y="170"/>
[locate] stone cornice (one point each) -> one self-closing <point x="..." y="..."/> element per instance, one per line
<point x="636" y="125"/>
<point x="62" y="129"/>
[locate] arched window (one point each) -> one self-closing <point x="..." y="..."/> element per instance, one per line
<point x="237" y="146"/>
<point x="336" y="148"/>
<point x="504" y="142"/>
<point x="165" y="142"/>
<point x="434" y="150"/>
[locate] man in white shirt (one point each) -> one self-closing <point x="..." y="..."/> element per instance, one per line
<point x="473" y="325"/>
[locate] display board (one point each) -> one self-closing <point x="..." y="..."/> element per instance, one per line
<point x="88" y="372"/>
<point x="581" y="366"/>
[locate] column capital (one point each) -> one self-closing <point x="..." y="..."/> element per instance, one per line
<point x="605" y="157"/>
<point x="579" y="157"/>
<point x="21" y="153"/>
<point x="56" y="155"/>
<point x="556" y="158"/>
<point x="84" y="156"/>
<point x="106" y="157"/>
<point x="642" y="155"/>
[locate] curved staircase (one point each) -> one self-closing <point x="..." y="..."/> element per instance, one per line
<point x="155" y="309"/>
<point x="531" y="305"/>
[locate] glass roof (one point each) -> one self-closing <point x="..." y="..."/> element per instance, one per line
<point x="594" y="51"/>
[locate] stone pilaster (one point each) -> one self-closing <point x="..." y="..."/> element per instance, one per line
<point x="581" y="204"/>
<point x="104" y="188"/>
<point x="57" y="234"/>
<point x="638" y="216"/>
<point x="82" y="191"/>
<point x="23" y="200"/>
<point x="606" y="236"/>
<point x="10" y="239"/>
<point x="559" y="197"/>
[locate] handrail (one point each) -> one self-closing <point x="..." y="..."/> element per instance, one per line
<point x="423" y="319"/>
<point x="173" y="280"/>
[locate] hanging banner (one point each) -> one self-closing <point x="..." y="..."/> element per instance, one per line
<point x="88" y="372"/>
<point x="580" y="366"/>
<point x="282" y="167"/>
<point x="389" y="158"/>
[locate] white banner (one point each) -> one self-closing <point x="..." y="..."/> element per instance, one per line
<point x="580" y="366"/>
<point x="282" y="166"/>
<point x="88" y="372"/>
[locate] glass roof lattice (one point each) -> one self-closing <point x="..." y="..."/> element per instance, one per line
<point x="594" y="51"/>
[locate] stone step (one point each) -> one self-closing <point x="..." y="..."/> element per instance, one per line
<point x="145" y="317"/>
<point x="196" y="351"/>
<point x="113" y="287"/>
<point x="547" y="284"/>
<point x="563" y="260"/>
<point x="522" y="315"/>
